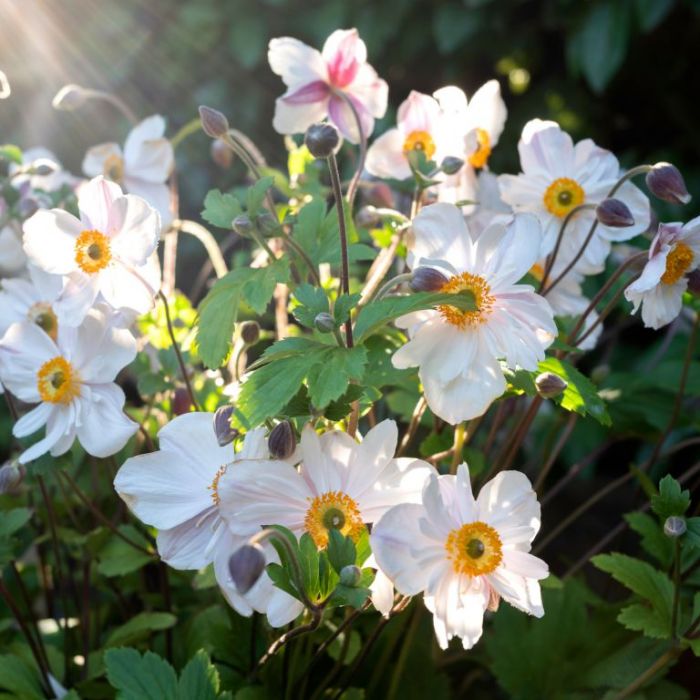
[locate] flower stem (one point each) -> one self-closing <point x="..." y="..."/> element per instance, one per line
<point x="352" y="187"/>
<point x="191" y="127"/>
<point x="393" y="282"/>
<point x="676" y="588"/>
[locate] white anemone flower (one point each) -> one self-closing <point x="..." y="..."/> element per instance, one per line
<point x="40" y="156"/>
<point x="341" y="485"/>
<point x="13" y="259"/>
<point x="674" y="252"/>
<point x="418" y="128"/>
<point x="458" y="352"/>
<point x="103" y="255"/>
<point x="464" y="554"/>
<point x="177" y="490"/>
<point x="321" y="84"/>
<point x="72" y="380"/>
<point x="142" y="168"/>
<point x="558" y="176"/>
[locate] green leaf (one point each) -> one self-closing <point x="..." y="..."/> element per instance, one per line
<point x="147" y="677"/>
<point x="653" y="539"/>
<point x="256" y="195"/>
<point x="20" y="679"/>
<point x="118" y="558"/>
<point x="13" y="520"/>
<point x="651" y="13"/>
<point x="653" y="618"/>
<point x="308" y="560"/>
<point x="341" y="550"/>
<point x="355" y="597"/>
<point x="671" y="500"/>
<point x="338" y="409"/>
<point x="312" y="301"/>
<point x="11" y="153"/>
<point x="199" y="679"/>
<point x="329" y="379"/>
<point x="692" y="535"/>
<point x="281" y="578"/>
<point x="344" y="304"/>
<point x="221" y="209"/>
<point x="140" y="627"/>
<point x="378" y="313"/>
<point x="580" y="395"/>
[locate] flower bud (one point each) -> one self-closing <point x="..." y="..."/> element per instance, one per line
<point x="451" y="165"/>
<point x="242" y="225"/>
<point x="26" y="207"/>
<point x="267" y="223"/>
<point x="427" y="279"/>
<point x="214" y="122"/>
<point x="282" y="441"/>
<point x="615" y="213"/>
<point x="221" y="154"/>
<point x="11" y="476"/>
<point x="675" y="526"/>
<point x="666" y="182"/>
<point x="246" y="566"/>
<point x="250" y="332"/>
<point x="225" y="434"/>
<point x="322" y="140"/>
<point x="43" y="167"/>
<point x="367" y="217"/>
<point x="181" y="402"/>
<point x="350" y="575"/>
<point x="70" y="97"/>
<point x="324" y="322"/>
<point x="549" y="385"/>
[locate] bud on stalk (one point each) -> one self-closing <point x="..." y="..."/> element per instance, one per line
<point x="675" y="527"/>
<point x="225" y="434"/>
<point x="666" y="182"/>
<point x="282" y="443"/>
<point x="322" y="140"/>
<point x="549" y="385"/>
<point x="246" y="566"/>
<point x="324" y="322"/>
<point x="70" y="97"/>
<point x="250" y="332"/>
<point x="615" y="213"/>
<point x="11" y="476"/>
<point x="427" y="279"/>
<point x="221" y="154"/>
<point x="181" y="402"/>
<point x="451" y="165"/>
<point x="214" y="123"/>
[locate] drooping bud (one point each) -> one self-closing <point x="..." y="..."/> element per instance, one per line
<point x="214" y="122"/>
<point x="549" y="385"/>
<point x="613" y="212"/>
<point x="666" y="182"/>
<point x="11" y="476"/>
<point x="26" y="207"/>
<point x="350" y="575"/>
<point x="225" y="434"/>
<point x="675" y="526"/>
<point x="322" y="140"/>
<point x="367" y="217"/>
<point x="221" y="154"/>
<point x="181" y="402"/>
<point x="70" y="97"/>
<point x="282" y="442"/>
<point x="267" y="223"/>
<point x="250" y="332"/>
<point x="324" y="322"/>
<point x="242" y="225"/>
<point x="246" y="566"/>
<point x="427" y="279"/>
<point x="451" y="165"/>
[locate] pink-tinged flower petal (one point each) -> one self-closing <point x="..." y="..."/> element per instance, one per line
<point x="134" y="227"/>
<point x="418" y="112"/>
<point x="370" y="91"/>
<point x="295" y="62"/>
<point x="345" y="118"/>
<point x="49" y="240"/>
<point x="148" y="155"/>
<point x="296" y="119"/>
<point x="385" y="157"/>
<point x="521" y="592"/>
<point x="343" y="53"/>
<point x="103" y="427"/>
<point x="97" y="158"/>
<point x="95" y="199"/>
<point x="311" y="92"/>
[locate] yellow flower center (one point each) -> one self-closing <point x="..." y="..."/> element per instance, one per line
<point x="480" y="157"/>
<point x="420" y="141"/>
<point x="92" y="251"/>
<point x="42" y="314"/>
<point x="57" y="381"/>
<point x="537" y="271"/>
<point x="113" y="168"/>
<point x="482" y="296"/>
<point x="474" y="549"/>
<point x="562" y="196"/>
<point x="214" y="486"/>
<point x="333" y="510"/>
<point x="677" y="263"/>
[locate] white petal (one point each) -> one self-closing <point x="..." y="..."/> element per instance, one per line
<point x="104" y="428"/>
<point x="57" y="424"/>
<point x="385" y="157"/>
<point x="134" y="227"/>
<point x="508" y="500"/>
<point x="96" y="157"/>
<point x="158" y="195"/>
<point x="49" y="240"/>
<point x="147" y="154"/>
<point x="295" y="62"/>
<point x="127" y="287"/>
<point x="185" y="546"/>
<point x="296" y="119"/>
<point x="371" y="458"/>
<point x="440" y="233"/>
<point x="33" y="420"/>
<point x="95" y="200"/>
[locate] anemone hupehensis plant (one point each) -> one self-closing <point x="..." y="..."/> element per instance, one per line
<point x="381" y="450"/>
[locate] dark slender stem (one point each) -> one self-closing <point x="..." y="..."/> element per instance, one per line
<point x="418" y="412"/>
<point x="520" y="433"/>
<point x="676" y="587"/>
<point x="352" y="187"/>
<point x="552" y="458"/>
<point x="645" y="677"/>
<point x="176" y="347"/>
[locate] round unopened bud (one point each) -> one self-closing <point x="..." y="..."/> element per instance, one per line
<point x="181" y="402"/>
<point x="666" y="182"/>
<point x="322" y="140"/>
<point x="324" y="322"/>
<point x="549" y="385"/>
<point x="250" y="332"/>
<point x="70" y="97"/>
<point x="11" y="476"/>
<point x="282" y="442"/>
<point x="267" y="224"/>
<point x="27" y="206"/>
<point x="451" y="165"/>
<point x="225" y="434"/>
<point x="368" y="217"/>
<point x="694" y="282"/>
<point x="613" y="212"/>
<point x="246" y="566"/>
<point x="242" y="225"/>
<point x="675" y="526"/>
<point x="214" y="122"/>
<point x="221" y="154"/>
<point x="43" y="167"/>
<point x="427" y="279"/>
<point x="600" y="373"/>
<point x="350" y="575"/>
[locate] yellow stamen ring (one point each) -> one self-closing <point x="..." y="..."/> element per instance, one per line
<point x="474" y="549"/>
<point x="482" y="296"/>
<point x="480" y="157"/>
<point x="419" y="141"/>
<point x="42" y="314"/>
<point x="333" y="510"/>
<point x="57" y="381"/>
<point x="562" y="196"/>
<point x="92" y="251"/>
<point x="677" y="263"/>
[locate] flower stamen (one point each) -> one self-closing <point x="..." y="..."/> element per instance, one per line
<point x="42" y="314"/>
<point x="333" y="510"/>
<point x="562" y="196"/>
<point x="480" y="157"/>
<point x="419" y="141"/>
<point x="214" y="486"/>
<point x="474" y="549"/>
<point x="57" y="381"/>
<point x="92" y="251"/>
<point x="677" y="263"/>
<point x="482" y="297"/>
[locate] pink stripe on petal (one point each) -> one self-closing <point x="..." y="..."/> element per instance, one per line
<point x="309" y="93"/>
<point x="342" y="68"/>
<point x="342" y="116"/>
